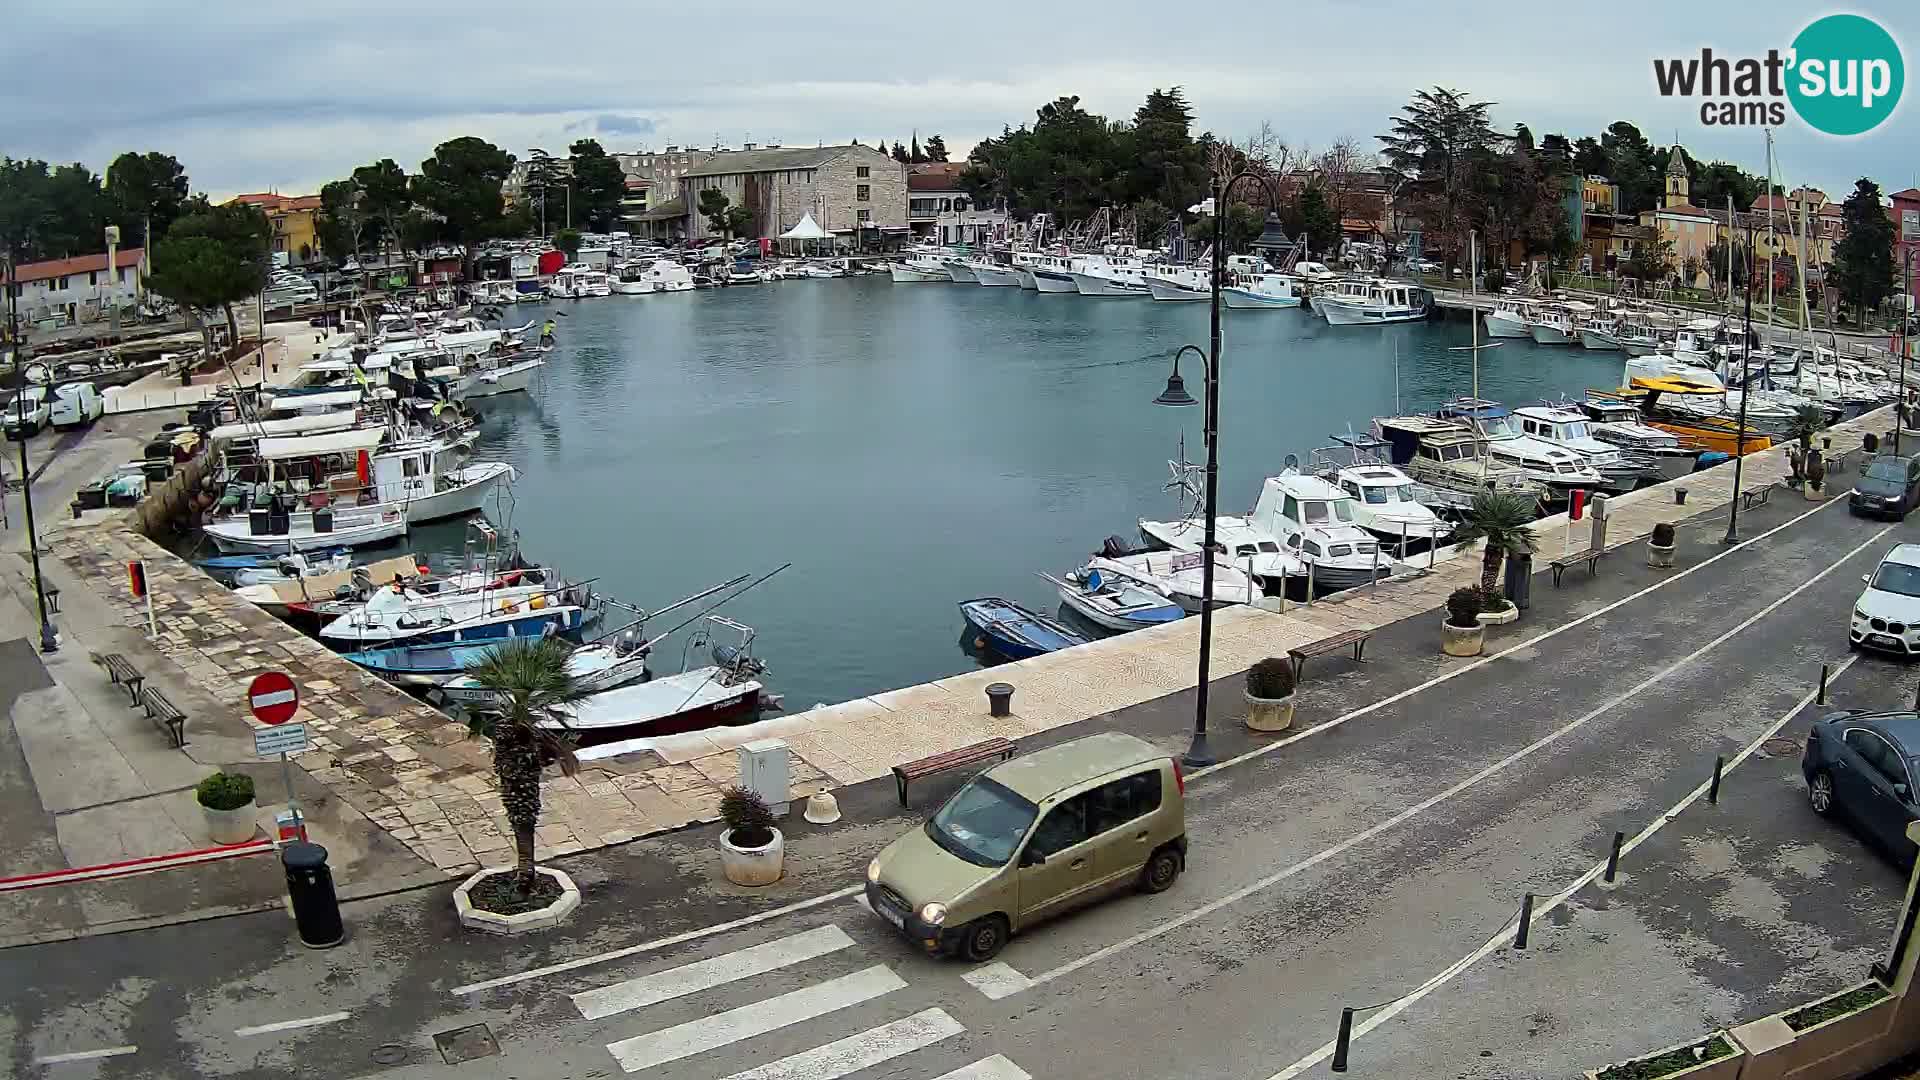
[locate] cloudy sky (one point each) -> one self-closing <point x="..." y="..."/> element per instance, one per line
<point x="253" y="96"/>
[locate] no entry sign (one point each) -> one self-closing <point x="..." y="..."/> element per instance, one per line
<point x="273" y="698"/>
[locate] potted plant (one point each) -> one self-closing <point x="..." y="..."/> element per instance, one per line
<point x="752" y="851"/>
<point x="227" y="801"/>
<point x="1660" y="546"/>
<point x="1270" y="695"/>
<point x="1496" y="609"/>
<point x="1460" y="632"/>
<point x="1816" y="474"/>
<point x="1504" y="519"/>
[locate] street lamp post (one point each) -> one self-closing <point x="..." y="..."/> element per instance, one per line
<point x="49" y="638"/>
<point x="1746" y="391"/>
<point x="1900" y="407"/>
<point x="1198" y="754"/>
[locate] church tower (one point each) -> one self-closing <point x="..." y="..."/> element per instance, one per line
<point x="1677" y="177"/>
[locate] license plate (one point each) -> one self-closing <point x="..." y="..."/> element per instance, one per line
<point x="1884" y="639"/>
<point x="899" y="922"/>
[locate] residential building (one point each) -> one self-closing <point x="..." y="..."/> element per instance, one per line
<point x="1691" y="230"/>
<point x="296" y="242"/>
<point x="662" y="170"/>
<point x="857" y="193"/>
<point x="635" y="202"/>
<point x="940" y="211"/>
<point x="667" y="221"/>
<point x="1906" y="234"/>
<point x="79" y="289"/>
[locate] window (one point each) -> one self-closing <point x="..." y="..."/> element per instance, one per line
<point x="982" y="823"/>
<point x="862" y="171"/>
<point x="1126" y="799"/>
<point x="1877" y="753"/>
<point x="409" y="467"/>
<point x="1316" y="513"/>
<point x="1899" y="578"/>
<point x="93" y="277"/>
<point x="863" y="193"/>
<point x="1312" y="548"/>
<point x="61" y="284"/>
<point x="1063" y="827"/>
<point x="1290" y="509"/>
<point x="865" y="215"/>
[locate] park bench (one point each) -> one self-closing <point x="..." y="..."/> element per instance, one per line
<point x="124" y="674"/>
<point x="1755" y="497"/>
<point x="984" y="750"/>
<point x="1355" y="638"/>
<point x="1590" y="558"/>
<point x="166" y="714"/>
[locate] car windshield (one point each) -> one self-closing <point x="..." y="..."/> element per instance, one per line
<point x="1899" y="578"/>
<point x="982" y="823"/>
<point x="1895" y="471"/>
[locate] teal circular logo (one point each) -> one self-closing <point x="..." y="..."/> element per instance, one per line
<point x="1847" y="74"/>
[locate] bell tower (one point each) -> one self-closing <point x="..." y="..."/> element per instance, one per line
<point x="1677" y="177"/>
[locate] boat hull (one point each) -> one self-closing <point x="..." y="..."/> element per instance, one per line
<point x="1248" y="300"/>
<point x="1052" y="281"/>
<point x="234" y="535"/>
<point x="998" y="276"/>
<point x="1339" y="314"/>
<point x="1175" y="293"/>
<point x="1598" y="340"/>
<point x="961" y="273"/>
<point x="1549" y="335"/>
<point x="1090" y="285"/>
<point x="1026" y="278"/>
<point x="1107" y="620"/>
<point x="513" y="378"/>
<point x="690" y="701"/>
<point x="473" y="483"/>
<point x="1501" y="324"/>
<point x="565" y="620"/>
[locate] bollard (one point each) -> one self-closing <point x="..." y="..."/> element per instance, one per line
<point x="1341" y="1040"/>
<point x="1821" y="697"/>
<point x="1713" y="791"/>
<point x="316" y="910"/>
<point x="1526" y="920"/>
<point x="1679" y="496"/>
<point x="1310" y="584"/>
<point x="1613" y="857"/>
<point x="1403" y="542"/>
<point x="999" y="699"/>
<point x="1916" y="697"/>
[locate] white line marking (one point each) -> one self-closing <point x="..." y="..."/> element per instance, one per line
<point x="707" y="974"/>
<point x="658" y="943"/>
<point x="996" y="1067"/>
<point x="290" y="1025"/>
<point x="856" y="1052"/>
<point x="747" y="1021"/>
<point x="1529" y="643"/>
<point x="1540" y="910"/>
<point x="278" y="697"/>
<point x="85" y="1055"/>
<point x="996" y="980"/>
<point x="1427" y="804"/>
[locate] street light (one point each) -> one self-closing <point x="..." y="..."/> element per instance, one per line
<point x="1746" y="391"/>
<point x="49" y="639"/>
<point x="1176" y="395"/>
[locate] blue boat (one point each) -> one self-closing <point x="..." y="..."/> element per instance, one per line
<point x="261" y="560"/>
<point x="421" y="663"/>
<point x="1013" y="631"/>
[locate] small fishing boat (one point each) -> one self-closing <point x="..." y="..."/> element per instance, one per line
<point x="293" y="566"/>
<point x="593" y="667"/>
<point x="1114" y="601"/>
<point x="723" y="693"/>
<point x="227" y="564"/>
<point x="1013" y="631"/>
<point x="400" y="614"/>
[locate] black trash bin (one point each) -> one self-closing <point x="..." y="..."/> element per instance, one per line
<point x="1520" y="580"/>
<point x="316" y="910"/>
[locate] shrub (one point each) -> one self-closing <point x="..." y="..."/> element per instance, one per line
<point x="1463" y="607"/>
<point x="225" y="791"/>
<point x="1663" y="534"/>
<point x="1496" y="279"/>
<point x="1270" y="678"/>
<point x="747" y="816"/>
<point x="1492" y="599"/>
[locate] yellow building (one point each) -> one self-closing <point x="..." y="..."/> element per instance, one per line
<point x="1802" y="210"/>
<point x="1691" y="230"/>
<point x="295" y="240"/>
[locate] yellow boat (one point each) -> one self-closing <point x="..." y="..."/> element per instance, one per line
<point x="1707" y="432"/>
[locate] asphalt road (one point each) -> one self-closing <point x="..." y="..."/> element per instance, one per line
<point x="1380" y="857"/>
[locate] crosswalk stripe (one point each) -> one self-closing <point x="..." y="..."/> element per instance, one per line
<point x="996" y="1067"/>
<point x="707" y="974"/>
<point x="856" y="1052"/>
<point x="772" y="1014"/>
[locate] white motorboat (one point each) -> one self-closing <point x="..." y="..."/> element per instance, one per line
<point x="961" y="271"/>
<point x="928" y="264"/>
<point x="1115" y="601"/>
<point x="724" y="692"/>
<point x="1253" y="292"/>
<point x="1560" y="470"/>
<point x="1553" y="322"/>
<point x="1098" y="275"/>
<point x="396" y="614"/>
<point x="1179" y="283"/>
<point x="1565" y="427"/>
<point x="1617" y="423"/>
<point x="1597" y="333"/>
<point x="1054" y="273"/>
<point x="1254" y="551"/>
<point x="595" y="669"/>
<point x="292" y="567"/>
<point x="1449" y="456"/>
<point x="1386" y="501"/>
<point x="1510" y="318"/>
<point x="988" y="272"/>
<point x="1384" y="302"/>
<point x="594" y="283"/>
<point x="501" y="375"/>
<point x="1023" y="263"/>
<point x="1177" y="575"/>
<point x="1316" y="522"/>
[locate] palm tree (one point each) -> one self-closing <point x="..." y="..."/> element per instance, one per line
<point x="1808" y="421"/>
<point x="532" y="684"/>
<point x="1504" y="520"/>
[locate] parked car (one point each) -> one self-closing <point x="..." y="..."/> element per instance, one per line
<point x="1889" y="487"/>
<point x="76" y="405"/>
<point x="27" y="413"/>
<point x="1887" y="614"/>
<point x="1861" y="765"/>
<point x="1032" y="838"/>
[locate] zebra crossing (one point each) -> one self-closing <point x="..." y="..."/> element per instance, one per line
<point x="690" y="1043"/>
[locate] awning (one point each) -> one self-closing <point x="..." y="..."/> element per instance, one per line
<point x="336" y="399"/>
<point x="288" y="425"/>
<point x="807" y="229"/>
<point x="338" y="442"/>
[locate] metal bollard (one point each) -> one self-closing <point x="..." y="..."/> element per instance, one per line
<point x="1341" y="1041"/>
<point x="1526" y="920"/>
<point x="316" y="910"/>
<point x="999" y="699"/>
<point x="1916" y="697"/>
<point x="1821" y="697"/>
<point x="1713" y="791"/>
<point x="1310" y="584"/>
<point x="1613" y="857"/>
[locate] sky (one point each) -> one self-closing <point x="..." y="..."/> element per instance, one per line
<point x="286" y="97"/>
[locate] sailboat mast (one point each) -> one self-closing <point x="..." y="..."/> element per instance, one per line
<point x="1473" y="306"/>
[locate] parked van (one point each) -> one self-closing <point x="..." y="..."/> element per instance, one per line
<point x="27" y="413"/>
<point x="76" y="405"/>
<point x="1032" y="838"/>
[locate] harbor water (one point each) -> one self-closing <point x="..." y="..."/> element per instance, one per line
<point x="907" y="447"/>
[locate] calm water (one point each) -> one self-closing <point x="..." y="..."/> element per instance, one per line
<point x="910" y="446"/>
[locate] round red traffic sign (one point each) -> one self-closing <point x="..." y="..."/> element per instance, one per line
<point x="273" y="698"/>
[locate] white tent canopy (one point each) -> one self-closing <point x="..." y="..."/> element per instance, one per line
<point x="807" y="229"/>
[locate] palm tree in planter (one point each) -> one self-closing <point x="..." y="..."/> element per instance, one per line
<point x="531" y="685"/>
<point x="1460" y="632"/>
<point x="1808" y="421"/>
<point x="1270" y="695"/>
<point x="1504" y="519"/>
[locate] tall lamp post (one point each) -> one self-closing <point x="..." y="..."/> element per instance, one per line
<point x="49" y="639"/>
<point x="1900" y="407"/>
<point x="1746" y="391"/>
<point x="1198" y="755"/>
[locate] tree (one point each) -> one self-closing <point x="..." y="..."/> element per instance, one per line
<point x="51" y="213"/>
<point x="1435" y="138"/>
<point x="1317" y="220"/>
<point x="713" y="206"/>
<point x="1711" y="184"/>
<point x="543" y="174"/>
<point x="1862" y="267"/>
<point x="1590" y="158"/>
<point x="209" y="261"/>
<point x="535" y="694"/>
<point x="1504" y="519"/>
<point x="384" y="196"/>
<point x="1716" y="260"/>
<point x="1631" y="166"/>
<point x="916" y="156"/>
<point x="599" y="185"/>
<point x="900" y="153"/>
<point x="739" y="221"/>
<point x="342" y="222"/>
<point x="568" y="240"/>
<point x="461" y="184"/>
<point x="936" y="148"/>
<point x="1650" y="261"/>
<point x="147" y="192"/>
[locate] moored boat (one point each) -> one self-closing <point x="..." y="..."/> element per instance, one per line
<point x="1013" y="631"/>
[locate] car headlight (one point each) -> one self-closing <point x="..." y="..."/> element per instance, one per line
<point x="1858" y="614"/>
<point x="933" y="914"/>
<point x="873" y="871"/>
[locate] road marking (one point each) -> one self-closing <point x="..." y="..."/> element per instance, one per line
<point x="996" y="1067"/>
<point x="658" y="943"/>
<point x="707" y="974"/>
<point x="1452" y="673"/>
<point x="85" y="1055"/>
<point x="290" y="1025"/>
<point x="856" y="1052"/>
<point x="747" y="1021"/>
<point x="1540" y="910"/>
<point x="996" y="980"/>
<point x="1422" y="807"/>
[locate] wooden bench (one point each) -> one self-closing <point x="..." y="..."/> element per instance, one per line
<point x="985" y="750"/>
<point x="166" y="714"/>
<point x="1755" y="497"/>
<point x="1590" y="558"/>
<point x="123" y="674"/>
<point x="1355" y="638"/>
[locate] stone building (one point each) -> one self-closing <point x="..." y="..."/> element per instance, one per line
<point x="856" y="193"/>
<point x="661" y="170"/>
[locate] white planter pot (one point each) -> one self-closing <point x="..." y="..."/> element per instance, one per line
<point x="1461" y="640"/>
<point x="1659" y="557"/>
<point x="1508" y="613"/>
<point x="553" y="914"/>
<point x="1269" y="714"/>
<point x="231" y="826"/>
<point x="753" y="866"/>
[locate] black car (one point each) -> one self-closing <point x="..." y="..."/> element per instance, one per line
<point x="1888" y="486"/>
<point x="1862" y="765"/>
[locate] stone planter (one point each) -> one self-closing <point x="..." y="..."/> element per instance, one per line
<point x="1721" y="1068"/>
<point x="1660" y="558"/>
<point x="1812" y="495"/>
<point x="753" y="866"/>
<point x="1507" y="613"/>
<point x="1461" y="640"/>
<point x="525" y="922"/>
<point x="231" y="826"/>
<point x="1843" y="1045"/>
<point x="1269" y="714"/>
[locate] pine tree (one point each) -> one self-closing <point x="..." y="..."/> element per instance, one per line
<point x="1863" y="259"/>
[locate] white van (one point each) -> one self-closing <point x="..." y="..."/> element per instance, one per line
<point x="27" y="412"/>
<point x="77" y="405"/>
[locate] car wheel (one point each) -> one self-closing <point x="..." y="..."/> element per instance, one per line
<point x="983" y="938"/>
<point x="1160" y="872"/>
<point x="1820" y="793"/>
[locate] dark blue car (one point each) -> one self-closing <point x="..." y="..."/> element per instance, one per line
<point x="1861" y="766"/>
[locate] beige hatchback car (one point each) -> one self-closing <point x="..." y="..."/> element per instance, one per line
<point x="1032" y="838"/>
